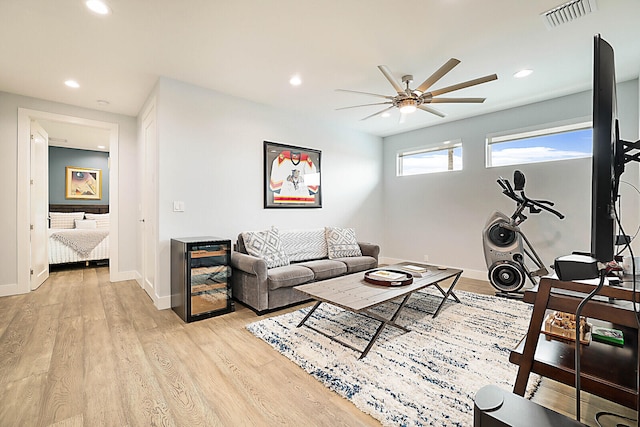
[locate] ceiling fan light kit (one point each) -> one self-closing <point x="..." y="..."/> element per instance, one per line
<point x="408" y="106"/>
<point x="408" y="100"/>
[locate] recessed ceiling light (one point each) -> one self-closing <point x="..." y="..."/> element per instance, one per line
<point x="385" y="115"/>
<point x="295" y="80"/>
<point x="522" y="73"/>
<point x="98" y="6"/>
<point x="72" y="83"/>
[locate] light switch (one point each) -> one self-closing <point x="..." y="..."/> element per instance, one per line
<point x="178" y="206"/>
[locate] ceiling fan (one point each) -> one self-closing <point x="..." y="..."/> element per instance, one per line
<point x="408" y="100"/>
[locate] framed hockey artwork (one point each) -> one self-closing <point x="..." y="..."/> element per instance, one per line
<point x="291" y="176"/>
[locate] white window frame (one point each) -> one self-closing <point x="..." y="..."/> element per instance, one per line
<point x="548" y="129"/>
<point x="441" y="147"/>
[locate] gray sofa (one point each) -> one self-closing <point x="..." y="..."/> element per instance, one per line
<point x="265" y="289"/>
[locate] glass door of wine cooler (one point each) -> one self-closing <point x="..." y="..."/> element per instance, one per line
<point x="210" y="272"/>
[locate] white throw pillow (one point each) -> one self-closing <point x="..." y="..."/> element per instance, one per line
<point x="341" y="242"/>
<point x="64" y="219"/>
<point x="102" y="220"/>
<point x="86" y="224"/>
<point x="266" y="245"/>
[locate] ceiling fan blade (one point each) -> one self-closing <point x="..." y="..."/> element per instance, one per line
<point x="396" y="85"/>
<point x="365" y="93"/>
<point x="463" y="85"/>
<point x="363" y="105"/>
<point x="431" y="110"/>
<point x="379" y="112"/>
<point x="448" y="66"/>
<point x="457" y="100"/>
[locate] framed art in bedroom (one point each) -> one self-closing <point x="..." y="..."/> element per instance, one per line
<point x="291" y="176"/>
<point x="83" y="183"/>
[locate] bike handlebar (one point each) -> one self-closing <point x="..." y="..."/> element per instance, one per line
<point x="526" y="202"/>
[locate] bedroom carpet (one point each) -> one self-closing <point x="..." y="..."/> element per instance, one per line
<point x="428" y="376"/>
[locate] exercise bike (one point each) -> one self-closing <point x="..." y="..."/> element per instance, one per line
<point x="507" y="251"/>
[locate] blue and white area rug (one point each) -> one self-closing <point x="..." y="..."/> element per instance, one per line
<point x="428" y="376"/>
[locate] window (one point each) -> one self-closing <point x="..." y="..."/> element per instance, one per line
<point x="445" y="157"/>
<point x="571" y="141"/>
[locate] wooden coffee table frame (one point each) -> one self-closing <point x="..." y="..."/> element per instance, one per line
<point x="354" y="294"/>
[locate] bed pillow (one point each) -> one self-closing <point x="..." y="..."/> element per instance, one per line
<point x="86" y="224"/>
<point x="341" y="242"/>
<point x="102" y="220"/>
<point x="64" y="219"/>
<point x="266" y="245"/>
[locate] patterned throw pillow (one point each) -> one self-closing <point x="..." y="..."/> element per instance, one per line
<point x="64" y="219"/>
<point x="266" y="245"/>
<point x="342" y="242"/>
<point x="304" y="245"/>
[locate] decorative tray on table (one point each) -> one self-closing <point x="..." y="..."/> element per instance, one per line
<point x="563" y="325"/>
<point x="386" y="277"/>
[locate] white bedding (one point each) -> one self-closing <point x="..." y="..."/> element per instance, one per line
<point x="59" y="253"/>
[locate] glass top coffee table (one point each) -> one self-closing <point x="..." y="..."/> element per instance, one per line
<point x="354" y="294"/>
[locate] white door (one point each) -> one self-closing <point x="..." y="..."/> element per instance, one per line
<point x="149" y="223"/>
<point x="39" y="241"/>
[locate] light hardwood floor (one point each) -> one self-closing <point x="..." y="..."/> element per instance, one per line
<point x="81" y="351"/>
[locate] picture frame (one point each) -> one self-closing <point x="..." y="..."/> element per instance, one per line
<point x="292" y="176"/>
<point x="83" y="183"/>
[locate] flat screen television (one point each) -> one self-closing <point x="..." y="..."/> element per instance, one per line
<point x="607" y="154"/>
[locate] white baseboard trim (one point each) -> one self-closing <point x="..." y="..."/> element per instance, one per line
<point x="163" y="303"/>
<point x="139" y="279"/>
<point x="11" y="289"/>
<point x="122" y="276"/>
<point x="470" y="274"/>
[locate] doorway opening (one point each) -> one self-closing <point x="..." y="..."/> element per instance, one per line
<point x="25" y="117"/>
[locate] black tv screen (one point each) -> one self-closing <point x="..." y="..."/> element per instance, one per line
<point x="605" y="141"/>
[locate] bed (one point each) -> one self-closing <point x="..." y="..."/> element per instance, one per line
<point x="78" y="233"/>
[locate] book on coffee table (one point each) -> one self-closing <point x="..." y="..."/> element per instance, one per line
<point x="608" y="335"/>
<point x="415" y="270"/>
<point x="387" y="275"/>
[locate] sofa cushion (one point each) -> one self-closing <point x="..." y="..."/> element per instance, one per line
<point x="341" y="242"/>
<point x="266" y="245"/>
<point x="304" y="245"/>
<point x="288" y="276"/>
<point x="325" y="268"/>
<point x="358" y="263"/>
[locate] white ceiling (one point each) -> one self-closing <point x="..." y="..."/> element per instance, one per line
<point x="250" y="49"/>
<point x="70" y="135"/>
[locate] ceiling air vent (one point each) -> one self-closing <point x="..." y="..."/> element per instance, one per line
<point x="568" y="12"/>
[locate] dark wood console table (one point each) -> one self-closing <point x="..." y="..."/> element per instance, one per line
<point x="605" y="370"/>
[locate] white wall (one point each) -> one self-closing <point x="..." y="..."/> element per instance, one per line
<point x="9" y="104"/>
<point x="442" y="215"/>
<point x="211" y="157"/>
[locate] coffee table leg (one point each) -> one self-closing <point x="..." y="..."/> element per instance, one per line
<point x="309" y="313"/>
<point x="446" y="295"/>
<point x="382" y="325"/>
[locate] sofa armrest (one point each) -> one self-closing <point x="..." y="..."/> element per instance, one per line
<point x="250" y="265"/>
<point x="249" y="280"/>
<point x="369" y="249"/>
